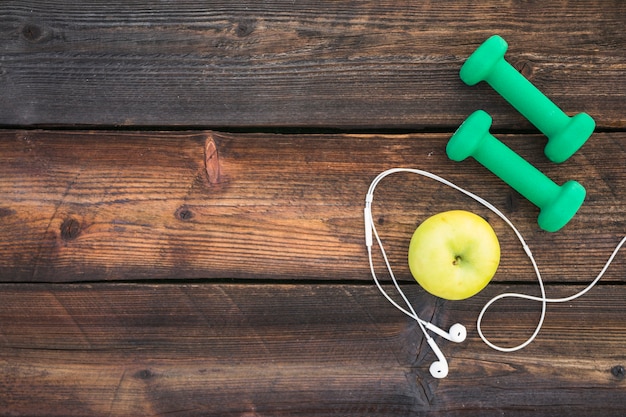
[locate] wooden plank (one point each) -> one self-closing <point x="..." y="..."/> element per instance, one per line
<point x="364" y="64"/>
<point x="317" y="350"/>
<point x="89" y="206"/>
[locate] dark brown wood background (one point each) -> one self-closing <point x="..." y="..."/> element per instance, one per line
<point x="181" y="197"/>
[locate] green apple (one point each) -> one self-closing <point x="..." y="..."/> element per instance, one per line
<point x="454" y="254"/>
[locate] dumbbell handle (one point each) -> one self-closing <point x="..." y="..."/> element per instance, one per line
<point x="515" y="171"/>
<point x="527" y="99"/>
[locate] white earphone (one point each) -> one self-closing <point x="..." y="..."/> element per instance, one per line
<point x="457" y="332"/>
<point x="439" y="368"/>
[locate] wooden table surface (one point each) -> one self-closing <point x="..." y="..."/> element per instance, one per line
<point x="181" y="208"/>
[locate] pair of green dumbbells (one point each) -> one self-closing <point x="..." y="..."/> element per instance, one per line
<point x="557" y="204"/>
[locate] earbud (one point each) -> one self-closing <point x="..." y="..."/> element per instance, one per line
<point x="439" y="368"/>
<point x="457" y="332"/>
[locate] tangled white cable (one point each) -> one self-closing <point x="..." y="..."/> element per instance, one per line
<point x="457" y="332"/>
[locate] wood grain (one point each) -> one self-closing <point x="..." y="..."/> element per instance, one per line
<point x="85" y="206"/>
<point x="357" y="64"/>
<point x="157" y="265"/>
<point x="317" y="350"/>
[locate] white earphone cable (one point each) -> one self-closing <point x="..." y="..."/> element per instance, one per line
<point x="370" y="232"/>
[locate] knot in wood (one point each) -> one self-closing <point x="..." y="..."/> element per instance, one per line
<point x="70" y="229"/>
<point x="525" y="67"/>
<point x="32" y="32"/>
<point x="618" y="372"/>
<point x="245" y="28"/>
<point x="184" y="213"/>
<point x="144" y="374"/>
<point x="211" y="161"/>
<point x="4" y="212"/>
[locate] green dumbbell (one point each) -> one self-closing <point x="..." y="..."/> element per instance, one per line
<point x="558" y="204"/>
<point x="565" y="134"/>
